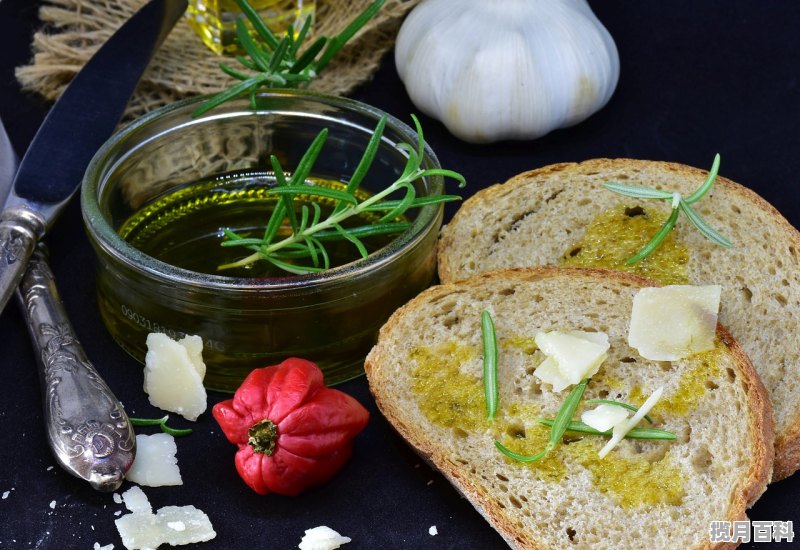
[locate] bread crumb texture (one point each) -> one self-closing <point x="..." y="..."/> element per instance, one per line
<point x="561" y="215"/>
<point x="426" y="375"/>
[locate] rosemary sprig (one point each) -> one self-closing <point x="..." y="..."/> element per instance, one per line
<point x="557" y="429"/>
<point x="631" y="408"/>
<point x="489" y="364"/>
<point x="679" y="204"/>
<point x="636" y="433"/>
<point x="311" y="231"/>
<point x="278" y="63"/>
<point x="162" y="423"/>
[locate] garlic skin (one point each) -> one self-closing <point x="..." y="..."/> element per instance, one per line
<point x="506" y="69"/>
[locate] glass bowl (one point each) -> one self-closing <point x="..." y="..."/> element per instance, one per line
<point x="331" y="317"/>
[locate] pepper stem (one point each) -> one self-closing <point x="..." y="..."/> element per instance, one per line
<point x="263" y="436"/>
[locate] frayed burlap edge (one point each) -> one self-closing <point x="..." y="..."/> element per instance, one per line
<point x="74" y="29"/>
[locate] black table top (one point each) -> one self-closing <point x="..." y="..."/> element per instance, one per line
<point x="697" y="78"/>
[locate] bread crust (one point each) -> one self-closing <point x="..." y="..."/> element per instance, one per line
<point x="452" y="241"/>
<point x="760" y="419"/>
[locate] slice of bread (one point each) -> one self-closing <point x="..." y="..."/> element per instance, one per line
<point x="426" y="375"/>
<point x="541" y="217"/>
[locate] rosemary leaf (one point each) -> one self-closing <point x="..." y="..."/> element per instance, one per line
<point x="489" y="364"/>
<point x="258" y="24"/>
<point x="637" y="191"/>
<point x="565" y="414"/>
<point x="709" y="232"/>
<point x="518" y="457"/>
<point x="618" y="404"/>
<point x="362" y="231"/>
<point x="404" y="204"/>
<point x="706" y="187"/>
<point x="419" y="201"/>
<point x="285" y="200"/>
<point x="636" y="433"/>
<point x="161" y="423"/>
<point x="657" y="239"/>
<point x="315" y="191"/>
<point x="353" y="239"/>
<point x="336" y="43"/>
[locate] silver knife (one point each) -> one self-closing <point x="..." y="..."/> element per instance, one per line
<point x="87" y="428"/>
<point x="82" y="119"/>
<point x="88" y="431"/>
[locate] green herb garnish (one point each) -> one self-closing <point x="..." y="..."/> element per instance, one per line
<point x="635" y="433"/>
<point x="279" y="63"/>
<point x="679" y="204"/>
<point x="618" y="404"/>
<point x="310" y="231"/>
<point x="489" y="364"/>
<point x="558" y="427"/>
<point x="162" y="423"/>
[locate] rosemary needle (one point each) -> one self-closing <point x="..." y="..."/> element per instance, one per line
<point x="557" y="429"/>
<point x="635" y="433"/>
<point x="489" y="364"/>
<point x="162" y="423"/>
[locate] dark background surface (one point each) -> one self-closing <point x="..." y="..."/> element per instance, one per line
<point x="697" y="78"/>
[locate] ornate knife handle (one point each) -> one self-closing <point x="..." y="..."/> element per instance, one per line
<point x="20" y="229"/>
<point x="87" y="428"/>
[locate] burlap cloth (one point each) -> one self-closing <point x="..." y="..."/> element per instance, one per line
<point x="73" y="29"/>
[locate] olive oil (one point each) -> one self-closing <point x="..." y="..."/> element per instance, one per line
<point x="620" y="232"/>
<point x="453" y="399"/>
<point x="214" y="21"/>
<point x="184" y="227"/>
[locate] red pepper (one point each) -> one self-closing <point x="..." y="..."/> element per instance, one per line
<point x="292" y="431"/>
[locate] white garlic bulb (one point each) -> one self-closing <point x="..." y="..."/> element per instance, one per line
<point x="506" y="69"/>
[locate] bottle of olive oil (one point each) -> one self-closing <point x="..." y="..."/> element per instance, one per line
<point x="215" y="20"/>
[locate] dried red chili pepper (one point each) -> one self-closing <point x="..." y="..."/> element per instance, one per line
<point x="291" y="430"/>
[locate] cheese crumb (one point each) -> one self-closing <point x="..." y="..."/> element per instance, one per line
<point x="155" y="464"/>
<point x="672" y="322"/>
<point x="173" y="375"/>
<point x="117" y="498"/>
<point x="322" y="538"/>
<point x="5" y="494"/>
<point x="433" y="531"/>
<point x="173" y="525"/>
<point x="106" y="547"/>
<point x="52" y="504"/>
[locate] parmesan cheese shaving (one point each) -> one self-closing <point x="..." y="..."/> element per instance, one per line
<point x="673" y="322"/>
<point x="173" y="375"/>
<point x="571" y="356"/>
<point x="173" y="525"/>
<point x="621" y="429"/>
<point x="155" y="464"/>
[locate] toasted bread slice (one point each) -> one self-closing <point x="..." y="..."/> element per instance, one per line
<point x="426" y="375"/>
<point x="554" y="215"/>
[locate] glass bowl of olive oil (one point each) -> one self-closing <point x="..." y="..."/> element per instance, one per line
<point x="158" y="198"/>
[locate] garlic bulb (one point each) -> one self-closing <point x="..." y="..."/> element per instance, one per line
<point x="506" y="69"/>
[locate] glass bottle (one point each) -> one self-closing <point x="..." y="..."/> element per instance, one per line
<point x="215" y="20"/>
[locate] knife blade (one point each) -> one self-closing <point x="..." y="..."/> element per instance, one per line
<point x="81" y="120"/>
